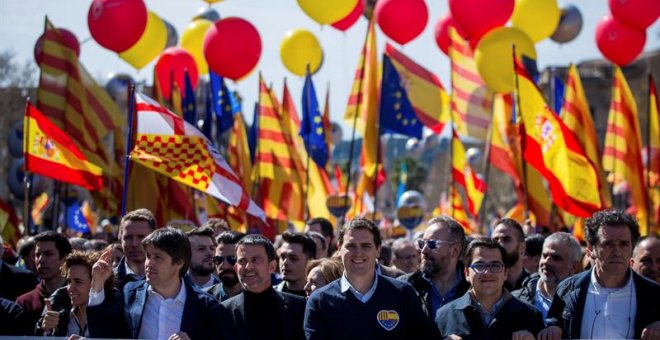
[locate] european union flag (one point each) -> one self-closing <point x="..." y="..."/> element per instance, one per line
<point x="189" y="104"/>
<point x="559" y="94"/>
<point x="75" y="219"/>
<point x="396" y="113"/>
<point x="252" y="132"/>
<point x="311" y="128"/>
<point x="207" y="129"/>
<point x="222" y="102"/>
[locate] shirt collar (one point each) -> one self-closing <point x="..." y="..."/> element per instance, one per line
<point x="599" y="288"/>
<point x="180" y="296"/>
<point x="540" y="292"/>
<point x="345" y="285"/>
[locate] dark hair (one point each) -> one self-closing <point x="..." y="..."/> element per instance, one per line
<point x="307" y="243"/>
<point x="320" y="237"/>
<point x="484" y="242"/>
<point x="215" y="224"/>
<point x="385" y="255"/>
<point x="534" y="245"/>
<point x="61" y="242"/>
<point x="202" y="231"/>
<point x="259" y="240"/>
<point x="326" y="225"/>
<point x="138" y="215"/>
<point x="96" y="245"/>
<point x="85" y="259"/>
<point x="610" y="218"/>
<point x="229" y="237"/>
<point x="456" y="230"/>
<point x="511" y="223"/>
<point x="361" y="223"/>
<point x="173" y="242"/>
<point x="26" y="246"/>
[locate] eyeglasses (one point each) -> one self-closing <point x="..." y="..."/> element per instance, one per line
<point x="231" y="259"/>
<point x="480" y="267"/>
<point x="432" y="244"/>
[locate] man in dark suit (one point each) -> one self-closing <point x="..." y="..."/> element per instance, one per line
<point x="162" y="307"/>
<point x="133" y="228"/>
<point x="260" y="312"/>
<point x="14" y="281"/>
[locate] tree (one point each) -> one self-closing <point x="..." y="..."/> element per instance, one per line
<point x="13" y="74"/>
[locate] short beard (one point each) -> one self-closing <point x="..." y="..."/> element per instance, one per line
<point x="201" y="270"/>
<point x="431" y="269"/>
<point x="228" y="281"/>
<point x="512" y="259"/>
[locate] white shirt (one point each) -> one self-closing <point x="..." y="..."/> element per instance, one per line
<point x="162" y="317"/>
<point x="74" y="326"/>
<point x="345" y="285"/>
<point x="609" y="313"/>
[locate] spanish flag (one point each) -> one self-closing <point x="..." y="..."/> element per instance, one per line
<point x="50" y="152"/>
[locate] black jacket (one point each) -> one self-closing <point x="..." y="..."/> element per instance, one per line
<point x="121" y="277"/>
<point x="569" y="300"/>
<point x="15" y="281"/>
<point x="527" y="293"/>
<point x="424" y="288"/>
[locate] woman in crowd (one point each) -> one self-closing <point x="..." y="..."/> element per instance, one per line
<point x="321" y="272"/>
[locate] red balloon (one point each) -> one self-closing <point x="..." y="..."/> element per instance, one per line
<point x="171" y="67"/>
<point x="638" y="14"/>
<point x="401" y="20"/>
<point x="64" y="36"/>
<point x="117" y="24"/>
<point x="441" y="32"/>
<point x="618" y="42"/>
<point x="232" y="47"/>
<point x="351" y="18"/>
<point x="477" y="17"/>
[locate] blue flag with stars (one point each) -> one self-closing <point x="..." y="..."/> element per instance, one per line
<point x="311" y="127"/>
<point x="189" y="104"/>
<point x="559" y="94"/>
<point x="75" y="219"/>
<point x="222" y="103"/>
<point x="252" y="132"/>
<point x="396" y="113"/>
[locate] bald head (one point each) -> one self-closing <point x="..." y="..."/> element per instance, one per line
<point x="646" y="258"/>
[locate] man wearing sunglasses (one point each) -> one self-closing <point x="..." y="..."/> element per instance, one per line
<point x="202" y="245"/>
<point x="440" y="278"/>
<point x="224" y="261"/>
<point x="487" y="310"/>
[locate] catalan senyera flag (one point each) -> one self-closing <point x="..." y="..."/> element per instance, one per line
<point x="654" y="153"/>
<point x="51" y="153"/>
<point x="576" y="115"/>
<point x="549" y="146"/>
<point x="453" y="207"/>
<point x="470" y="98"/>
<point x="463" y="175"/>
<point x="622" y="155"/>
<point x="425" y="92"/>
<point x="39" y="207"/>
<point x="238" y="152"/>
<point x="72" y="100"/>
<point x="326" y="120"/>
<point x="167" y="144"/>
<point x="9" y="224"/>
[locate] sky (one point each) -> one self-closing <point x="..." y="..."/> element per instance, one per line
<point x="22" y="22"/>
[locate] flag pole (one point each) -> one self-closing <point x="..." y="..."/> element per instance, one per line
<point x="27" y="180"/>
<point x="489" y="140"/>
<point x="127" y="155"/>
<point x="521" y="142"/>
<point x="378" y="160"/>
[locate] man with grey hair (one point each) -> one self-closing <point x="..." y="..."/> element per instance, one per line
<point x="406" y="255"/>
<point x="560" y="258"/>
<point x="646" y="257"/>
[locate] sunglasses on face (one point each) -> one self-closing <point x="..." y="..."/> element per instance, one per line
<point x="218" y="260"/>
<point x="480" y="267"/>
<point x="431" y="243"/>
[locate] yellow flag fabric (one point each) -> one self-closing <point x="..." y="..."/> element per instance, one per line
<point x="463" y="175"/>
<point x="654" y="156"/>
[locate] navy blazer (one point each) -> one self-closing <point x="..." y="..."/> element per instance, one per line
<point x="199" y="321"/>
<point x="568" y="303"/>
<point x="234" y="324"/>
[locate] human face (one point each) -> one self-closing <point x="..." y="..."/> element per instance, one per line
<point x="555" y="264"/>
<point x="612" y="254"/>
<point x="441" y="260"/>
<point x="225" y="270"/>
<point x="315" y="280"/>
<point x="488" y="284"/>
<point x="254" y="268"/>
<point x="202" y="250"/>
<point x="160" y="270"/>
<point x="48" y="260"/>
<point x="292" y="262"/>
<point x="407" y="258"/>
<point x="359" y="253"/>
<point x="509" y="239"/>
<point x="131" y="240"/>
<point x="647" y="259"/>
<point x="79" y="282"/>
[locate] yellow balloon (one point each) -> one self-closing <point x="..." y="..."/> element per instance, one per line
<point x="211" y="1"/>
<point x="494" y="57"/>
<point x="538" y="18"/>
<point x="327" y="11"/>
<point x="151" y="43"/>
<point x="192" y="40"/>
<point x="299" y="48"/>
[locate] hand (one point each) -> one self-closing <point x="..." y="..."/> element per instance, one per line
<point x="453" y="337"/>
<point x="651" y="331"/>
<point x="550" y="333"/>
<point x="179" y="336"/>
<point x="101" y="271"/>
<point x="51" y="318"/>
<point x="522" y="335"/>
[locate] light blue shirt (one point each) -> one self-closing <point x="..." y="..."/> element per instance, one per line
<point x="162" y="317"/>
<point x="345" y="286"/>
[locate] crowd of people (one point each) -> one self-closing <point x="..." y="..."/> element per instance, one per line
<point x="335" y="283"/>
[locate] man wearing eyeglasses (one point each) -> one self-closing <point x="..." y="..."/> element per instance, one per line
<point x="440" y="278"/>
<point x="487" y="310"/>
<point x="224" y="261"/>
<point x="202" y="246"/>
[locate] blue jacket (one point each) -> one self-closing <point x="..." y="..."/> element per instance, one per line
<point x="200" y="313"/>
<point x="462" y="317"/>
<point x="568" y="303"/>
